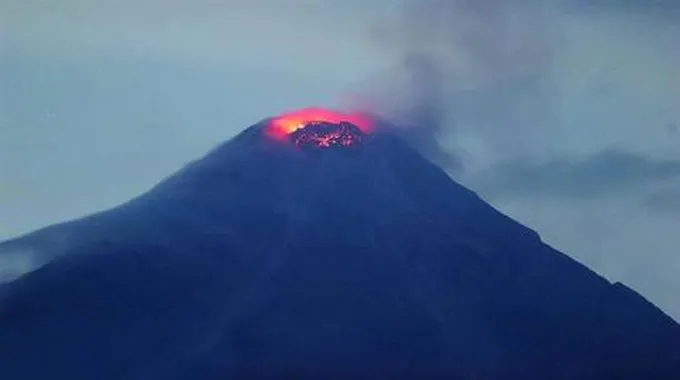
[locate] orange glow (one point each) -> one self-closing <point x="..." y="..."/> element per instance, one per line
<point x="282" y="126"/>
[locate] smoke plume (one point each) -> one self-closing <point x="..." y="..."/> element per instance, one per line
<point x="457" y="57"/>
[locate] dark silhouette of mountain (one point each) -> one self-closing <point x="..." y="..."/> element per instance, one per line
<point x="268" y="259"/>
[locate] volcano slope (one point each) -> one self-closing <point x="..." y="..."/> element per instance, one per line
<point x="271" y="259"/>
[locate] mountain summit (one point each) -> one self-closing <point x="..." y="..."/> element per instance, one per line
<point x="319" y="247"/>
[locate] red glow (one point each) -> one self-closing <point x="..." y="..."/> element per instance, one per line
<point x="284" y="125"/>
<point x="323" y="135"/>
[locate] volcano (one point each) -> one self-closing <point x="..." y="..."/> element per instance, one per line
<point x="302" y="255"/>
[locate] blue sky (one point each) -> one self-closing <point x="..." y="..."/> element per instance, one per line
<point x="564" y="116"/>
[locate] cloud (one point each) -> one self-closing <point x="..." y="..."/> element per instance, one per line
<point x="666" y="200"/>
<point x="604" y="174"/>
<point x="632" y="5"/>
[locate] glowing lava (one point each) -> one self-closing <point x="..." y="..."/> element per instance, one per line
<point x="284" y="126"/>
<point x="328" y="135"/>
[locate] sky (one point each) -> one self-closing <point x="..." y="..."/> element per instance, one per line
<point x="563" y="114"/>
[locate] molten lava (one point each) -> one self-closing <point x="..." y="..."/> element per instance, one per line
<point x="321" y="128"/>
<point x="328" y="135"/>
